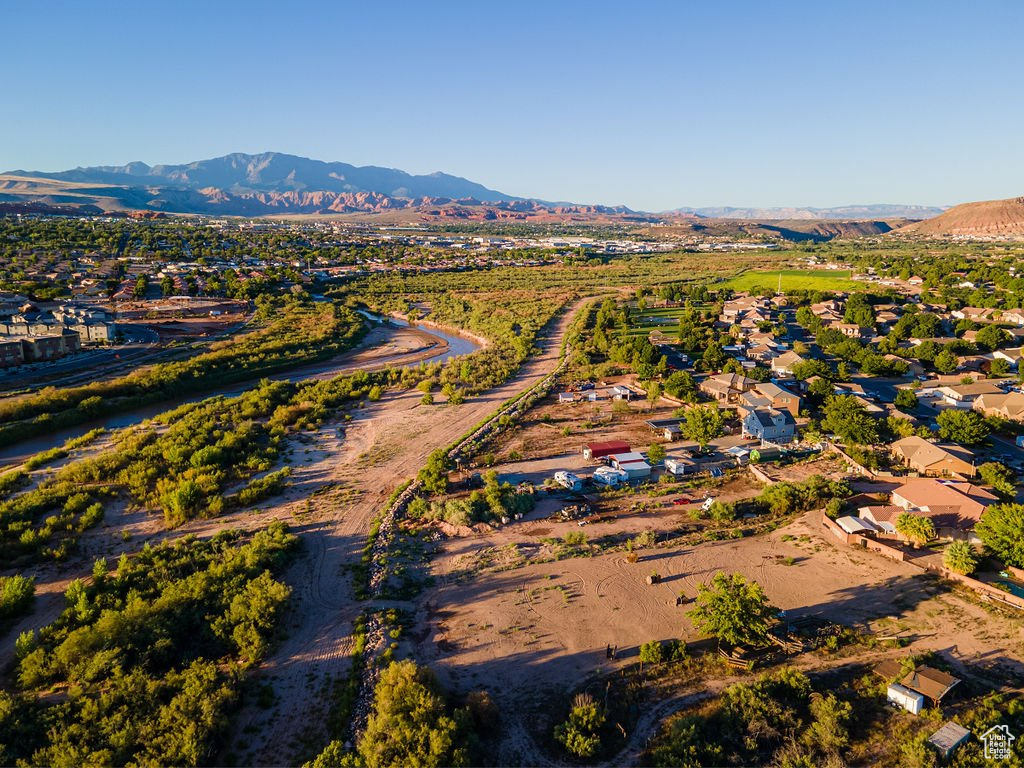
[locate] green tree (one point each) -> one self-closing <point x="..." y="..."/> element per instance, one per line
<point x="713" y="357"/>
<point x="899" y="427"/>
<point x="821" y="388"/>
<point x="703" y="423"/>
<point x="859" y="311"/>
<point x="580" y="734"/>
<point x="722" y="512"/>
<point x="960" y="426"/>
<point x="1001" y="529"/>
<point x="16" y="595"/>
<point x="905" y="400"/>
<point x="809" y="368"/>
<point x="733" y="610"/>
<point x="827" y="732"/>
<point x="335" y="755"/>
<point x="946" y="361"/>
<point x="653" y="394"/>
<point x="409" y="725"/>
<point x="992" y="337"/>
<point x="656" y="453"/>
<point x="846" y="417"/>
<point x="651" y="652"/>
<point x="681" y="386"/>
<point x="918" y="529"/>
<point x="999" y="477"/>
<point x="999" y="367"/>
<point x="434" y="474"/>
<point x="960" y="558"/>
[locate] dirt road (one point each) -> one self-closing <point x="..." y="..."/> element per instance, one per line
<point x="339" y="485"/>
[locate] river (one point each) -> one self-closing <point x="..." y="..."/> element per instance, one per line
<point x="450" y="345"/>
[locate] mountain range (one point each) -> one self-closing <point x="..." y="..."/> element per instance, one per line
<point x="273" y="183"/>
<point x="274" y="172"/>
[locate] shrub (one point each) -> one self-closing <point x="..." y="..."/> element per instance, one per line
<point x="580" y="733"/>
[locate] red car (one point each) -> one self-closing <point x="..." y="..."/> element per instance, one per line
<point x="682" y="500"/>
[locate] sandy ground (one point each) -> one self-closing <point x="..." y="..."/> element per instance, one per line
<point x="341" y="479"/>
<point x="524" y="632"/>
<point x="192" y="327"/>
<point x="384" y="445"/>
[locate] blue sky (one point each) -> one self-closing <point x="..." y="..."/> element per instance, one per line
<point x="651" y="105"/>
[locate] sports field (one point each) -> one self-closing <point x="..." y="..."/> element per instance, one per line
<point x="794" y="279"/>
<point x="664" y="319"/>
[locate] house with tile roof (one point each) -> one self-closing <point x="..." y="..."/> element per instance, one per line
<point x="953" y="507"/>
<point x="933" y="459"/>
<point x="1009" y="405"/>
<point x="782" y="365"/>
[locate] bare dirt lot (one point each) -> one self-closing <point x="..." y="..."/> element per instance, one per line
<point x="195" y="327"/>
<point x="526" y="631"/>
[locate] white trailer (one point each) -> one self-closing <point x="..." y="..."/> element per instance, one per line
<point x="900" y="696"/>
<point x="610" y="476"/>
<point x="569" y="481"/>
<point x="677" y="465"/>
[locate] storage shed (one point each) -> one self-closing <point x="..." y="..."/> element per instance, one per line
<point x="618" y="459"/>
<point x="637" y="470"/>
<point x="592" y="451"/>
<point x="948" y="738"/>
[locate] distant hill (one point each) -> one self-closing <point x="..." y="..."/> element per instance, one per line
<point x="794" y="230"/>
<point x="847" y="212"/>
<point x="992" y="218"/>
<point x="240" y="174"/>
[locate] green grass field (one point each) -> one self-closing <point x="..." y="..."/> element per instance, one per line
<point x="794" y="279"/>
<point x="664" y="319"/>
